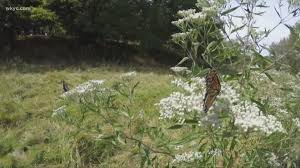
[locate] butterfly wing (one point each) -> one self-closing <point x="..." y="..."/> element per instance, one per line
<point x="213" y="88"/>
<point x="65" y="86"/>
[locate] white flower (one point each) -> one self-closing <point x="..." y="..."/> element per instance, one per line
<point x="198" y="15"/>
<point x="187" y="157"/>
<point x="177" y="147"/>
<point x="129" y="75"/>
<point x="179" y="69"/>
<point x="283" y="111"/>
<point x="178" y="104"/>
<point x="296" y="122"/>
<point x="83" y="88"/>
<point x="215" y="152"/>
<point x="194" y="85"/>
<point x="185" y="13"/>
<point x="209" y="119"/>
<point x="273" y="160"/>
<point x="59" y="111"/>
<point x="180" y="35"/>
<point x="189" y="15"/>
<point x="142" y="114"/>
<point x="248" y="115"/>
<point x="210" y="10"/>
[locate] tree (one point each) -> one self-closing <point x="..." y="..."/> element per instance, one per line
<point x="36" y="18"/>
<point x="287" y="51"/>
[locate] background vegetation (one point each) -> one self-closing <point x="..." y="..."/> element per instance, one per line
<point x="144" y="115"/>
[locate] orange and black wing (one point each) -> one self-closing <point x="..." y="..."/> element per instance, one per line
<point x="213" y="88"/>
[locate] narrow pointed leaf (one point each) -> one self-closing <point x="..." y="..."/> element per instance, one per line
<point x="262" y="6"/>
<point x="183" y="60"/>
<point x="277" y="12"/>
<point x="269" y="76"/>
<point x="176" y="127"/>
<point x="238" y="28"/>
<point x="229" y="10"/>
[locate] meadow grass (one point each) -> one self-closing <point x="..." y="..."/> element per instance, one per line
<point x="30" y="137"/>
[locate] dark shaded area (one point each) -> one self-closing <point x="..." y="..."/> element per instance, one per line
<point x="41" y="50"/>
<point x="89" y="31"/>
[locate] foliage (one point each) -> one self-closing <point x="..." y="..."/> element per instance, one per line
<point x="35" y="18"/>
<point x="124" y="122"/>
<point x="287" y="51"/>
<point x="145" y="22"/>
<point x="243" y="129"/>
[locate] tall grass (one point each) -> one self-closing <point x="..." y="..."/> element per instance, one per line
<point x="31" y="137"/>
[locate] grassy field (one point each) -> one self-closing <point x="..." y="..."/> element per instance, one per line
<point x="30" y="137"/>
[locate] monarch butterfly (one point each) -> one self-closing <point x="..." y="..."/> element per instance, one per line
<point x="213" y="88"/>
<point x="65" y="86"/>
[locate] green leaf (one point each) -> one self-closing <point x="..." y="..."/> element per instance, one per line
<point x="238" y="28"/>
<point x="186" y="139"/>
<point x="183" y="60"/>
<point x="252" y="86"/>
<point x="269" y="76"/>
<point x="260" y="105"/>
<point x="289" y="27"/>
<point x="233" y="143"/>
<point x="287" y="89"/>
<point x="176" y="126"/>
<point x="277" y="12"/>
<point x="261" y="60"/>
<point x="229" y="10"/>
<point x="108" y="137"/>
<point x="259" y="13"/>
<point x="211" y="46"/>
<point x="125" y="114"/>
<point x="133" y="88"/>
<point x="191" y="121"/>
<point x="120" y="140"/>
<point x="257" y="102"/>
<point x="262" y="6"/>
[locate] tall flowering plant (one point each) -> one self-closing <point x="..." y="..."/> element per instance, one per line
<point x="241" y="127"/>
<point x="247" y="126"/>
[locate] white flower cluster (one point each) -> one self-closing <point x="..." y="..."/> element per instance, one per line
<point x="215" y="152"/>
<point x="209" y="119"/>
<point x="183" y="35"/>
<point x="178" y="147"/>
<point x="178" y="105"/>
<point x="212" y="10"/>
<point x="296" y="122"/>
<point x="273" y="160"/>
<point x="187" y="157"/>
<point x="261" y="77"/>
<point x="59" y="111"/>
<point x="248" y="115"/>
<point x="83" y="88"/>
<point x="195" y="84"/>
<point x="129" y="74"/>
<point x="276" y="102"/>
<point x="185" y="13"/>
<point x="178" y="69"/>
<point x="189" y="15"/>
